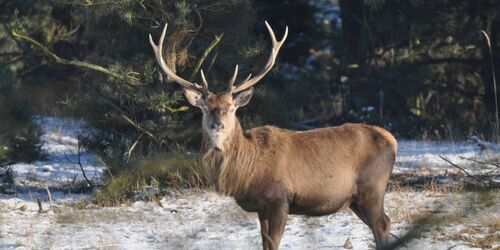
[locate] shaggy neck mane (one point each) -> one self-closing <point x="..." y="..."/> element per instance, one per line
<point x="232" y="168"/>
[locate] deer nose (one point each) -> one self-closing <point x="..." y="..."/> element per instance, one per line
<point x="217" y="126"/>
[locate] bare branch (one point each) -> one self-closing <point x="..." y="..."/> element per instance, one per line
<point x="79" y="153"/>
<point x="49" y="194"/>
<point x="444" y="158"/>
<point x="481" y="162"/>
<point x="478" y="180"/>
<point x="39" y="202"/>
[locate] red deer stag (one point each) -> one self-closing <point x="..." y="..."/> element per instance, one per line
<point x="276" y="172"/>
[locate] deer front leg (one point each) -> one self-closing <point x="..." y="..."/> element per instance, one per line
<point x="264" y="230"/>
<point x="277" y="215"/>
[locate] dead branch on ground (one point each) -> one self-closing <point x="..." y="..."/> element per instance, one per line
<point x="486" y="183"/>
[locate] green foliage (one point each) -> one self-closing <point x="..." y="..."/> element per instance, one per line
<point x="6" y="174"/>
<point x="24" y="145"/>
<point x="19" y="136"/>
<point x="134" y="110"/>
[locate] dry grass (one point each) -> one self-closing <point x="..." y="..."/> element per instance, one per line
<point x="493" y="224"/>
<point x="176" y="170"/>
<point x="473" y="212"/>
<point x="409" y="213"/>
<point x="398" y="187"/>
<point x="433" y="188"/>
<point x="472" y="235"/>
<point x="90" y="216"/>
<point x="403" y="214"/>
<point x="82" y="204"/>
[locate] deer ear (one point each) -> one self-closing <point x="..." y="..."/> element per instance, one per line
<point x="243" y="98"/>
<point x="193" y="97"/>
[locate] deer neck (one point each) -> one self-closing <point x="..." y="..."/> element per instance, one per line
<point x="231" y="167"/>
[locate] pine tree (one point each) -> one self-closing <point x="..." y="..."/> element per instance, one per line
<point x="98" y="52"/>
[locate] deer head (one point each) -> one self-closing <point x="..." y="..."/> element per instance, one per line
<point x="219" y="109"/>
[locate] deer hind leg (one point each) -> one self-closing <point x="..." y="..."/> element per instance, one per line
<point x="368" y="202"/>
<point x="371" y="212"/>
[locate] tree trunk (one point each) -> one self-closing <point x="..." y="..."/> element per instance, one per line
<point x="352" y="13"/>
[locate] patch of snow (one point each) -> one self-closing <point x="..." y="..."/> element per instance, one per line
<point x="60" y="143"/>
<point x="418" y="155"/>
<point x="204" y="220"/>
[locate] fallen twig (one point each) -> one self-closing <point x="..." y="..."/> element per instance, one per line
<point x="478" y="180"/>
<point x="481" y="162"/>
<point x="444" y="158"/>
<point x="48" y="194"/>
<point x="39" y="202"/>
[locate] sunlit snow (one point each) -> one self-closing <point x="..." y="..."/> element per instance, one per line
<point x="205" y="220"/>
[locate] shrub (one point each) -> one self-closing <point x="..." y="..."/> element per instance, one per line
<point x="21" y="145"/>
<point x="6" y="179"/>
<point x="25" y="144"/>
<point x="6" y="175"/>
<point x="176" y="170"/>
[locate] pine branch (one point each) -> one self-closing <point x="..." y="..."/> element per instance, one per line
<point x="75" y="63"/>
<point x="200" y="18"/>
<point x="125" y="117"/>
<point x="138" y="127"/>
<point x="212" y="62"/>
<point x="207" y="51"/>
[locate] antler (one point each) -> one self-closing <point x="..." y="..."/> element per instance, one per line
<point x="233" y="78"/>
<point x="159" y="57"/>
<point x="249" y="82"/>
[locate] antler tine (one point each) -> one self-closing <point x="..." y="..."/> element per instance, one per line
<point x="249" y="82"/>
<point x="205" y="83"/>
<point x="248" y="77"/>
<point x="158" y="49"/>
<point x="233" y="79"/>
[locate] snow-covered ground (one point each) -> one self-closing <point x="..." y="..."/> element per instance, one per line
<point x="426" y="155"/>
<point x="204" y="220"/>
<point x="199" y="220"/>
<point x="61" y="166"/>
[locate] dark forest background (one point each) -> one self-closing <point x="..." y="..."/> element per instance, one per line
<point x="420" y="68"/>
